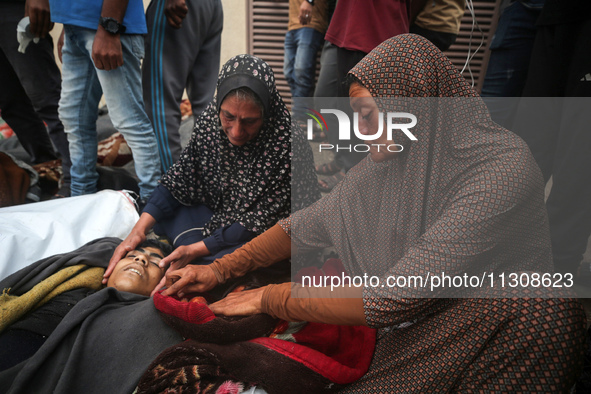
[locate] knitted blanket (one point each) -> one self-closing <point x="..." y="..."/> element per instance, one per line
<point x="103" y="345"/>
<point x="229" y="355"/>
<point x="13" y="307"/>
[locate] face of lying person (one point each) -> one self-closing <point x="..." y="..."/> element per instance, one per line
<point x="138" y="272"/>
<point x="241" y="119"/>
<point x="363" y="103"/>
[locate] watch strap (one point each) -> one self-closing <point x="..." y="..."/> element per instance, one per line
<point x="108" y="23"/>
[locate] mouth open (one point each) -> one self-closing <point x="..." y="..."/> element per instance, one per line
<point x="134" y="270"/>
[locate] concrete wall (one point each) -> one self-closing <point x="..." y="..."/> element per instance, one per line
<point x="234" y="38"/>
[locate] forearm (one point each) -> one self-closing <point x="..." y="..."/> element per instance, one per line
<point x="162" y="203"/>
<point x="266" y="249"/>
<point x="144" y="224"/>
<point x="292" y="302"/>
<point x="114" y="9"/>
<point x="107" y="52"/>
<point x="228" y="236"/>
<point x="199" y="249"/>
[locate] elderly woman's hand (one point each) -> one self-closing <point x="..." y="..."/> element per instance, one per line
<point x="244" y="303"/>
<point x="190" y="279"/>
<point x="179" y="258"/>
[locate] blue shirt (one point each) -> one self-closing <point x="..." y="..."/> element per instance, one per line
<point x="87" y="13"/>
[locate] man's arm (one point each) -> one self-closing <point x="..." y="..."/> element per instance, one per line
<point x="38" y="12"/>
<point x="305" y="12"/>
<point x="175" y="11"/>
<point x="106" y="49"/>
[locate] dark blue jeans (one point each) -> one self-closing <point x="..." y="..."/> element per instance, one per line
<point x="299" y="67"/>
<point x="557" y="133"/>
<point x="510" y="48"/>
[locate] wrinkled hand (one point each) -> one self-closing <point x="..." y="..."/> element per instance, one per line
<point x="129" y="244"/>
<point x="106" y="50"/>
<point x="190" y="279"/>
<point x="175" y="11"/>
<point x="244" y="303"/>
<point x="38" y="12"/>
<point x="180" y="257"/>
<point x="305" y="13"/>
<point x="60" y="45"/>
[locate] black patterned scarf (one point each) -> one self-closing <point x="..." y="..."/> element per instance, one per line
<point x="247" y="184"/>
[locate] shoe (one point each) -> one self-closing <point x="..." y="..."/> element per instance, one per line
<point x="64" y="191"/>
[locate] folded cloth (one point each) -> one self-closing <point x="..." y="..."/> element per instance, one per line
<point x="197" y="321"/>
<point x="13" y="307"/>
<point x="114" y="151"/>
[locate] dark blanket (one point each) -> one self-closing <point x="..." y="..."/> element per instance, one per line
<point x="103" y="345"/>
<point x="95" y="254"/>
<point x="227" y="355"/>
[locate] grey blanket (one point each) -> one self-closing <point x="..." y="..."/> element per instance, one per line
<point x="103" y="345"/>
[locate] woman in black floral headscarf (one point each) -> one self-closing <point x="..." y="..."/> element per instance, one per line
<point x="234" y="179"/>
<point x="464" y="199"/>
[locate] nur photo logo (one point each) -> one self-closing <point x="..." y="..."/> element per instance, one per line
<point x="402" y="121"/>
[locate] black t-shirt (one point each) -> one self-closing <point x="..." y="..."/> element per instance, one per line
<point x="564" y="11"/>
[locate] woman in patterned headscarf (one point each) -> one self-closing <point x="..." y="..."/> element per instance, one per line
<point x="465" y="199"/>
<point x="234" y="179"/>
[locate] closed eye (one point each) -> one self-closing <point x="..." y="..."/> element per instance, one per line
<point x="228" y="115"/>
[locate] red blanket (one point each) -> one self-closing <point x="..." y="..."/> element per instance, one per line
<point x="228" y="355"/>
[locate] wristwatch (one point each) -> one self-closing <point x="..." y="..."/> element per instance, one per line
<point x="310" y="1"/>
<point x="111" y="25"/>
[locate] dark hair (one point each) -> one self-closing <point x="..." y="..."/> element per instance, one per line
<point x="350" y="79"/>
<point x="166" y="248"/>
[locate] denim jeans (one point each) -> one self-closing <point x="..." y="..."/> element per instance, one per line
<point x="82" y="87"/>
<point x="510" y="53"/>
<point x="299" y="67"/>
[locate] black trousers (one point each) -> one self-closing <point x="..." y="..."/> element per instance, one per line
<point x="346" y="60"/>
<point x="31" y="88"/>
<point x="18" y="112"/>
<point x="559" y="135"/>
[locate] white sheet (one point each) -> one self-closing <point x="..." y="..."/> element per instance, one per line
<point x="31" y="232"/>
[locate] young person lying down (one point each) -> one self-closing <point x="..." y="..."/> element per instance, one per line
<point x="29" y="316"/>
